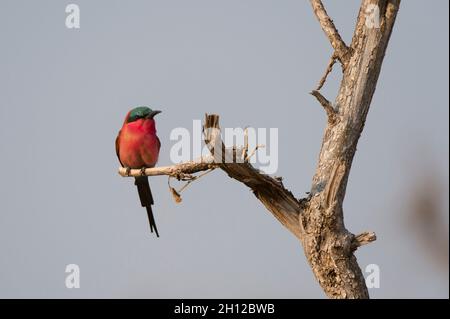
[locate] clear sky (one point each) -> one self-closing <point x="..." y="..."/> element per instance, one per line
<point x="64" y="94"/>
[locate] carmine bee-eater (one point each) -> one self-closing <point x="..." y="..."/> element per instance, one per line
<point x="137" y="146"/>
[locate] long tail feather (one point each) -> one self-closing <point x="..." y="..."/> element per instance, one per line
<point x="145" y="195"/>
<point x="151" y="220"/>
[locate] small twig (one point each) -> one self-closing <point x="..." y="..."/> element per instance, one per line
<point x="327" y="72"/>
<point x="253" y="152"/>
<point x="245" y="148"/>
<point x="339" y="46"/>
<point x="331" y="113"/>
<point x="173" y="191"/>
<point x="363" y="239"/>
<point x="194" y="179"/>
<point x="176" y="193"/>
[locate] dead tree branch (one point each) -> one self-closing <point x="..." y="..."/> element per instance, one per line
<point x="327" y="72"/>
<point x="331" y="113"/>
<point x="177" y="171"/>
<point x="340" y="48"/>
<point x="327" y="244"/>
<point x="317" y="221"/>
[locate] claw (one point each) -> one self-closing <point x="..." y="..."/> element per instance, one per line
<point x="143" y="171"/>
<point x="127" y="171"/>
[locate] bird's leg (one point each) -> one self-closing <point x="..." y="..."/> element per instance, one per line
<point x="127" y="171"/>
<point x="143" y="171"/>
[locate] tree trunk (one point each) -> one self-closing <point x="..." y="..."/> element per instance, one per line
<point x="317" y="221"/>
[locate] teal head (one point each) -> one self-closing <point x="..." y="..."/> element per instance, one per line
<point x="141" y="112"/>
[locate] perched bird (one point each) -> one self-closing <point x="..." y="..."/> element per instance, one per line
<point x="137" y="146"/>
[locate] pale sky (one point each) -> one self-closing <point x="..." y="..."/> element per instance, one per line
<point x="64" y="93"/>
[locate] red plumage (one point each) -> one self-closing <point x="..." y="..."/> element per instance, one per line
<point x="137" y="146"/>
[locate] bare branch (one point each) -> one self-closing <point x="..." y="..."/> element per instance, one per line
<point x="178" y="171"/>
<point x="318" y="221"/>
<point x="363" y="239"/>
<point x="327" y="72"/>
<point x="176" y="193"/>
<point x="339" y="46"/>
<point x="331" y="113"/>
<point x="269" y="190"/>
<point x="323" y="219"/>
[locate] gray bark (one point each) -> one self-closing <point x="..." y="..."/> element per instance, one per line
<point x="318" y="221"/>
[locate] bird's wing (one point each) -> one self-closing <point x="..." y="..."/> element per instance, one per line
<point x="118" y="147"/>
<point x="159" y="142"/>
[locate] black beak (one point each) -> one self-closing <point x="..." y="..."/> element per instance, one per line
<point x="152" y="114"/>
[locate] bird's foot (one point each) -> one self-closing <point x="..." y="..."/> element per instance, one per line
<point x="127" y="171"/>
<point x="143" y="171"/>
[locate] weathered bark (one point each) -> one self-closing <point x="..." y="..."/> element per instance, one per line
<point x="327" y="244"/>
<point x="317" y="221"/>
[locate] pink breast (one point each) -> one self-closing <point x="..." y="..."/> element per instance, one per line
<point x="139" y="145"/>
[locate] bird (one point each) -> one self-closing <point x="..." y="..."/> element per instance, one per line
<point x="137" y="147"/>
